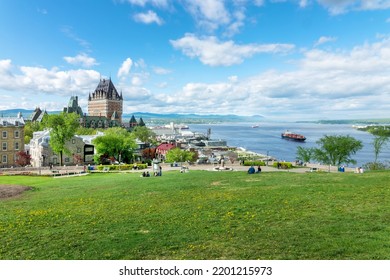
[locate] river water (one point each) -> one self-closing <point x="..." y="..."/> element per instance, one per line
<point x="266" y="139"/>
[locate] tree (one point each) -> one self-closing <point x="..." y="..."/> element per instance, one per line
<point x="304" y="154"/>
<point x="381" y="137"/>
<point x="149" y="153"/>
<point x="144" y="134"/>
<point x="379" y="143"/>
<point x="116" y="143"/>
<point x="23" y="158"/>
<point x="62" y="129"/>
<point x="29" y="129"/>
<point x="85" y="131"/>
<point x="179" y="155"/>
<point x="335" y="150"/>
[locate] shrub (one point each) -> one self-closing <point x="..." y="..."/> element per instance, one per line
<point x="121" y="167"/>
<point x="283" y="165"/>
<point x="376" y="166"/>
<point x="254" y="163"/>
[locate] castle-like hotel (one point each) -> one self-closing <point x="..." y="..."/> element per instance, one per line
<point x="105" y="108"/>
<point x="106" y="101"/>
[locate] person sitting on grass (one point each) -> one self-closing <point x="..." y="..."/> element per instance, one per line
<point x="251" y="170"/>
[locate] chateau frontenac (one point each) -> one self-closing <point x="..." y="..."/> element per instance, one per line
<point x="106" y="102"/>
<point x="105" y="108"/>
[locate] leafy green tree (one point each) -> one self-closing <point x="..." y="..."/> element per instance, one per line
<point x="144" y="134"/>
<point x="304" y="154"/>
<point x="379" y="143"/>
<point x="29" y="129"/>
<point x="381" y="138"/>
<point x="62" y="129"/>
<point x="336" y="150"/>
<point x="85" y="131"/>
<point x="116" y="143"/>
<point x="179" y="155"/>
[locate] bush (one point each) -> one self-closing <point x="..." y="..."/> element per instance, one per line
<point x="121" y="167"/>
<point x="282" y="165"/>
<point x="254" y="163"/>
<point x="376" y="166"/>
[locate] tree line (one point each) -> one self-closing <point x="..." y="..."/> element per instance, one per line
<point x="339" y="149"/>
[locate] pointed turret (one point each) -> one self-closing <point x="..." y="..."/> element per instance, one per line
<point x="141" y="122"/>
<point x="133" y="122"/>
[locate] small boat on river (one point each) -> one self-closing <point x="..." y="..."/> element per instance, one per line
<point x="293" y="136"/>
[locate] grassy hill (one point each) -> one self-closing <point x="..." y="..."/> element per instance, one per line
<point x="198" y="215"/>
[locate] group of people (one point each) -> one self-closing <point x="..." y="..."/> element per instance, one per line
<point x="156" y="173"/>
<point x="252" y="170"/>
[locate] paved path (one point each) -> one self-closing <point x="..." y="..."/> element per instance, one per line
<point x="78" y="170"/>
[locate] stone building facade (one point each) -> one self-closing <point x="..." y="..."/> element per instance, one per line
<point x="79" y="147"/>
<point x="12" y="139"/>
<point x="106" y="102"/>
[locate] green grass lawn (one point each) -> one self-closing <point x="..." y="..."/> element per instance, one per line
<point x="199" y="215"/>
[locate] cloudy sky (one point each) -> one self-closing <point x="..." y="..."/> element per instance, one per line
<point x="283" y="59"/>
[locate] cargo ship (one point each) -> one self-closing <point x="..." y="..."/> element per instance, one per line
<point x="293" y="136"/>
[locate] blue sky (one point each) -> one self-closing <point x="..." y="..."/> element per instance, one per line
<point x="283" y="59"/>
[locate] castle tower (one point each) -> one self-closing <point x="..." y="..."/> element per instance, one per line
<point x="105" y="101"/>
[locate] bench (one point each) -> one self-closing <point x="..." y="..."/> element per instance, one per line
<point x="55" y="172"/>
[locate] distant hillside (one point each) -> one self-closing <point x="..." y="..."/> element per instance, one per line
<point x="25" y="113"/>
<point x="190" y="118"/>
<point x="363" y="121"/>
<point x="14" y="112"/>
<point x="154" y="118"/>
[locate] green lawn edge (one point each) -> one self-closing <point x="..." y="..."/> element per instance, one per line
<point x="200" y="215"/>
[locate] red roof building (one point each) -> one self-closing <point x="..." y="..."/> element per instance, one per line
<point x="163" y="149"/>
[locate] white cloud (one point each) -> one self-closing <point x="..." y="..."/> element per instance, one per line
<point x="39" y="79"/>
<point x="81" y="59"/>
<point x="340" y="83"/>
<point x="342" y="6"/>
<point x="161" y="71"/>
<point x="303" y="3"/>
<point x="42" y="11"/>
<point x="136" y="81"/>
<point x="259" y="2"/>
<point x="143" y="3"/>
<point x="324" y="39"/>
<point x="124" y="70"/>
<point x="209" y="14"/>
<point x="68" y="31"/>
<point x="213" y="52"/>
<point x="148" y="18"/>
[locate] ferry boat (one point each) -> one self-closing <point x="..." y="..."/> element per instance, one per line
<point x="293" y="136"/>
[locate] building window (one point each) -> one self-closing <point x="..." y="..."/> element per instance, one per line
<point x="17" y="146"/>
<point x="4" y="159"/>
<point x="4" y="134"/>
<point x="16" y="134"/>
<point x="16" y="123"/>
<point x="73" y="141"/>
<point x="78" y="150"/>
<point x="66" y="159"/>
<point x="4" y="145"/>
